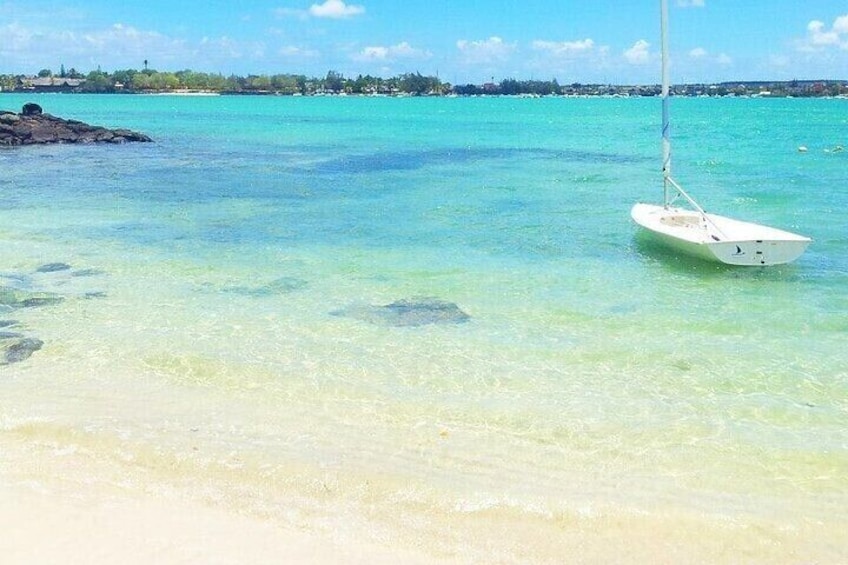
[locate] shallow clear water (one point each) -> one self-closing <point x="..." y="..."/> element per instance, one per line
<point x="222" y="314"/>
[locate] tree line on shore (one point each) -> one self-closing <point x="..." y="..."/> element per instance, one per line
<point x="150" y="80"/>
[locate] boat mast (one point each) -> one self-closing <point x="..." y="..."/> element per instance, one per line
<point x="666" y="140"/>
<point x="668" y="182"/>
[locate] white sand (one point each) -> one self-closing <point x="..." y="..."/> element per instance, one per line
<point x="45" y="529"/>
<point x="44" y="525"/>
<point x="119" y="478"/>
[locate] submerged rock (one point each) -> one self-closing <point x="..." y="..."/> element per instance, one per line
<point x="282" y="285"/>
<point x="13" y="298"/>
<point x="53" y="267"/>
<point x="23" y="291"/>
<point x="33" y="127"/>
<point x="88" y="273"/>
<point x="94" y="294"/>
<point x="36" y="301"/>
<point x="22" y="350"/>
<point x="407" y="313"/>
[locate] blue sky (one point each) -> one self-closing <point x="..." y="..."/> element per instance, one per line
<point x="460" y="40"/>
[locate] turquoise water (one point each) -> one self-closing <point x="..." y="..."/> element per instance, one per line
<point x="227" y="287"/>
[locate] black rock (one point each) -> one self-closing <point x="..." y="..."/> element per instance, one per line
<point x="22" y="350"/>
<point x="31" y="109"/>
<point x="32" y="127"/>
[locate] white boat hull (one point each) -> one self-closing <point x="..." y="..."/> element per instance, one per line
<point x="717" y="238"/>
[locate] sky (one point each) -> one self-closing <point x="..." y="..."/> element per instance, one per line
<point x="460" y="41"/>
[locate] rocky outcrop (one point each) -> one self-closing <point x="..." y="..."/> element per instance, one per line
<point x="34" y="127"/>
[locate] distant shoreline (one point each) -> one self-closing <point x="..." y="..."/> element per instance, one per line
<point x="190" y="83"/>
<point x="409" y="95"/>
<point x="186" y="93"/>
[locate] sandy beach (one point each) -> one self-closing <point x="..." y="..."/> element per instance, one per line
<point x="63" y="508"/>
<point x="62" y="505"/>
<point x="85" y="528"/>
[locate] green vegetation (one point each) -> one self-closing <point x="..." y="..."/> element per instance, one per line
<point x="150" y="80"/>
<point x="415" y="84"/>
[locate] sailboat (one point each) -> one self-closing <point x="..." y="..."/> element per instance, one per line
<point x="691" y="230"/>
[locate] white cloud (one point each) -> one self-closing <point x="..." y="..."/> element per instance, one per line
<point x="575" y="61"/>
<point x="298" y="53"/>
<point x="564" y="48"/>
<point x="118" y="41"/>
<point x="690" y="3"/>
<point x="120" y="35"/>
<point x="724" y="60"/>
<point x="489" y="50"/>
<point x="335" y="9"/>
<point x="701" y="55"/>
<point x="119" y="46"/>
<point x="402" y="50"/>
<point x="639" y="53"/>
<point x="14" y="37"/>
<point x="373" y="53"/>
<point x="229" y="48"/>
<point x="820" y="37"/>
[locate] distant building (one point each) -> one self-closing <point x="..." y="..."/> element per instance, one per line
<point x="51" y="84"/>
